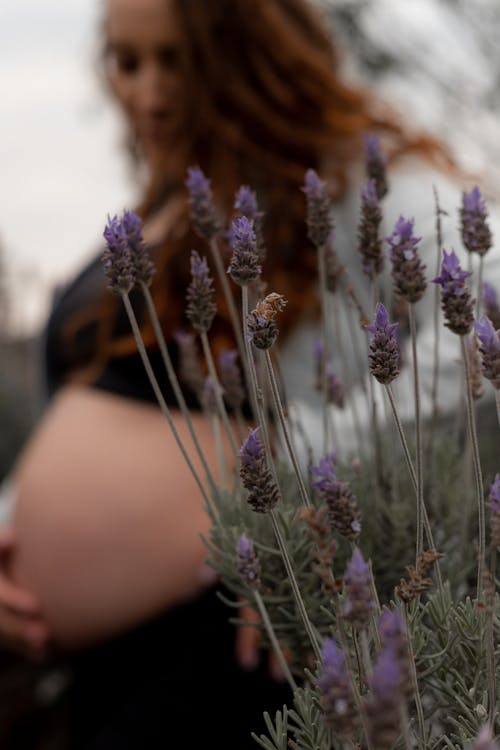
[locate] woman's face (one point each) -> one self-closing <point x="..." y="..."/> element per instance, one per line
<point x="143" y="50"/>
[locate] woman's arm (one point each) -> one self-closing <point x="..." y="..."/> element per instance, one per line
<point x="108" y="516"/>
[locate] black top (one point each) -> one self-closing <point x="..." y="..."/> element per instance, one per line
<point x="173" y="681"/>
<point x="121" y="375"/>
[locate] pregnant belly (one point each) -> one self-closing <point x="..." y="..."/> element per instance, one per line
<point x="108" y="516"/>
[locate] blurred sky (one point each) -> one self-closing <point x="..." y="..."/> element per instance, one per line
<point x="62" y="168"/>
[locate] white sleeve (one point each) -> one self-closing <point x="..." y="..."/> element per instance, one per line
<point x="411" y="195"/>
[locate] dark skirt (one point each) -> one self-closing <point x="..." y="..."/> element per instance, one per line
<point x="172" y="682"/>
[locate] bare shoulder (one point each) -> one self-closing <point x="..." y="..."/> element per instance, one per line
<point x="108" y="514"/>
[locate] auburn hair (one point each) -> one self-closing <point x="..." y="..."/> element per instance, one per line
<point x="263" y="101"/>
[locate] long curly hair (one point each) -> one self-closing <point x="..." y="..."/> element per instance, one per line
<point x="263" y="101"/>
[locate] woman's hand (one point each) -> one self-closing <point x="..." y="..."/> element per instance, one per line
<point x="22" y="627"/>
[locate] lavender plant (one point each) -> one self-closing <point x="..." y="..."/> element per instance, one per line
<point x="378" y="655"/>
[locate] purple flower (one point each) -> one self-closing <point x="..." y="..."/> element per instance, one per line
<point x="407" y="269"/>
<point x="143" y="267"/>
<point x="263" y="492"/>
<point x="495" y="495"/>
<point x="375" y="164"/>
<point x="248" y="564"/>
<point x="343" y="511"/>
<point x="455" y="296"/>
<point x="476" y="234"/>
<point x="393" y="636"/>
<point x="208" y="396"/>
<point x="384" y="350"/>
<point x="201" y="306"/>
<point x="189" y="365"/>
<point x="485" y="740"/>
<point x="246" y="202"/>
<point x="359" y="603"/>
<point x="335" y="392"/>
<point x="369" y="194"/>
<point x="324" y="473"/>
<point x="244" y="267"/>
<point x="123" y="238"/>
<point x="319" y="209"/>
<point x="230" y="376"/>
<point x="203" y="214"/>
<point x="369" y="242"/>
<point x="487" y="335"/>
<point x="383" y="706"/>
<point x="490" y="350"/>
<point x="337" y="700"/>
<point x="491" y="306"/>
<point x="452" y="277"/>
<point x="495" y="512"/>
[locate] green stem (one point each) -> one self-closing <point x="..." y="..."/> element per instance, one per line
<point x="286" y="431"/>
<point x="435" y="368"/>
<point x="490" y="643"/>
<point x="256" y="394"/>
<point x="215" y="424"/>
<point x="418" y="429"/>
<point x="477" y="464"/>
<point x="413" y="669"/>
<point x="274" y="641"/>
<point x="295" y="588"/>
<point x="218" y="392"/>
<point x="174" y="382"/>
<point x="411" y="470"/>
<point x="479" y="287"/>
<point x="233" y="313"/>
<point x="159" y="396"/>
<point x="324" y="332"/>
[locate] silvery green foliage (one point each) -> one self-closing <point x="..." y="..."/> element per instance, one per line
<point x="439" y="670"/>
<point x="446" y="626"/>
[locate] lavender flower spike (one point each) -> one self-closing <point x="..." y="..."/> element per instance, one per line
<point x="244" y="267"/>
<point x="201" y="306"/>
<point x="490" y="350"/>
<point x="485" y="740"/>
<point x="369" y="242"/>
<point x="384" y="350"/>
<point x="495" y="511"/>
<point x="230" y="377"/>
<point x="248" y="563"/>
<point x="491" y="305"/>
<point x="337" y="700"/>
<point x="263" y="492"/>
<point x="476" y="234"/>
<point x="143" y="266"/>
<point x="343" y="511"/>
<point x="190" y="371"/>
<point x="319" y="205"/>
<point x="383" y="707"/>
<point x="359" y="603"/>
<point x="393" y="635"/>
<point x="203" y="214"/>
<point x="117" y="257"/>
<point x="455" y="297"/>
<point x="407" y="268"/>
<point x="246" y="202"/>
<point x="208" y="396"/>
<point x="375" y="164"/>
